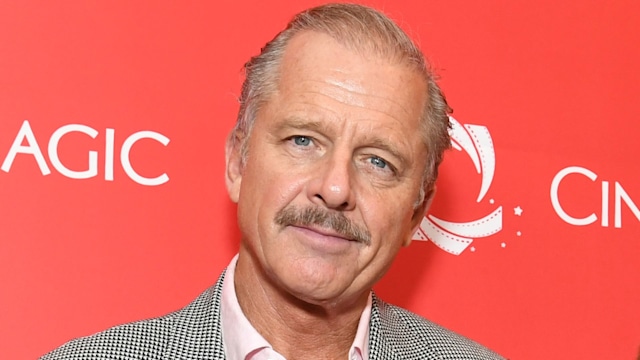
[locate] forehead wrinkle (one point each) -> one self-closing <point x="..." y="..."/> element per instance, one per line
<point x="352" y="87"/>
<point x="351" y="93"/>
<point x="353" y="101"/>
<point x="347" y="90"/>
<point x="347" y="84"/>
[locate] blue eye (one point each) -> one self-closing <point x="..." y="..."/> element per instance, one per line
<point x="302" y="140"/>
<point x="376" y="161"/>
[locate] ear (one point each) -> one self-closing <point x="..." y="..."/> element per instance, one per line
<point x="419" y="213"/>
<point x="234" y="164"/>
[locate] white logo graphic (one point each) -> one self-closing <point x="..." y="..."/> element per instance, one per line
<point x="455" y="237"/>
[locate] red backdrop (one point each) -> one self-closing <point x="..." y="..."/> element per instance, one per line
<point x="545" y="264"/>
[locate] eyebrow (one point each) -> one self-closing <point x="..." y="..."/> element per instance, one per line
<point x="295" y="122"/>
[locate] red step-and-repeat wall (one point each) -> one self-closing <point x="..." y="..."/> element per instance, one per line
<point x="113" y="208"/>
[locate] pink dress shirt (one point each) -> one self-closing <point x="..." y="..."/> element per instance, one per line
<point x="243" y="342"/>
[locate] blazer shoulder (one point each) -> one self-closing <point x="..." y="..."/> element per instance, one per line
<point x="419" y="338"/>
<point x="145" y="339"/>
<point x="194" y="328"/>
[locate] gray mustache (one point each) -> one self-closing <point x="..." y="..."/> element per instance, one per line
<point x="334" y="220"/>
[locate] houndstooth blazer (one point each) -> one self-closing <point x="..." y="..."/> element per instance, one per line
<point x="195" y="332"/>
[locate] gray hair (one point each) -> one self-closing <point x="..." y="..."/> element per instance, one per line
<point x="361" y="29"/>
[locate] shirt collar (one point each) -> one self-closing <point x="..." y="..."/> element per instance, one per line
<point x="238" y="335"/>
<point x="241" y="340"/>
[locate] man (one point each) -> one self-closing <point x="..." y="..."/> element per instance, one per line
<point x="332" y="164"/>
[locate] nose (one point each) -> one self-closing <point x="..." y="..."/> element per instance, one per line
<point x="331" y="186"/>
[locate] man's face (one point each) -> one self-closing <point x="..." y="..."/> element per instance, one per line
<point x="335" y="161"/>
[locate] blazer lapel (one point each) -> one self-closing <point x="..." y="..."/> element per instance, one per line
<point x="197" y="330"/>
<point x="380" y="348"/>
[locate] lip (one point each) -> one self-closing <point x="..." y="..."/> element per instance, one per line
<point x="323" y="231"/>
<point x="322" y="240"/>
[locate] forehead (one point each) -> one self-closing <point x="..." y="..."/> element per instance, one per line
<point x="315" y="56"/>
<point x="317" y="68"/>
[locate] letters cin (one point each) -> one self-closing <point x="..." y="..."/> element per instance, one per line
<point x="33" y="149"/>
<point x="619" y="194"/>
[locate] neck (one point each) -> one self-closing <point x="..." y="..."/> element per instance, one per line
<point x="295" y="328"/>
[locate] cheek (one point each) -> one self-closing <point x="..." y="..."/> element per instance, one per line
<point x="389" y="222"/>
<point x="388" y="236"/>
<point x="267" y="188"/>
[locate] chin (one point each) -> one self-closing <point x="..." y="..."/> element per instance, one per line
<point x="316" y="288"/>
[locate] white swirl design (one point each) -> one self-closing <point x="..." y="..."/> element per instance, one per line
<point x="455" y="237"/>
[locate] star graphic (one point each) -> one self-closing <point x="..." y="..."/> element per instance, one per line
<point x="518" y="210"/>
